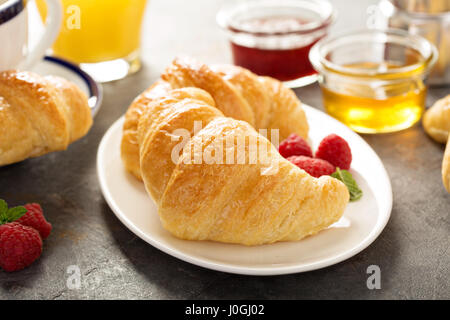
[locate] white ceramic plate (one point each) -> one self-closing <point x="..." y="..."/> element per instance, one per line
<point x="361" y="224"/>
<point x="65" y="69"/>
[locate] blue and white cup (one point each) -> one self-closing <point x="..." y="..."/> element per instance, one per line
<point x="15" y="52"/>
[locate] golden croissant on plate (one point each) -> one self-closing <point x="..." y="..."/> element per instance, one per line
<point x="39" y="115"/>
<point x="214" y="177"/>
<point x="262" y="102"/>
<point x="436" y="122"/>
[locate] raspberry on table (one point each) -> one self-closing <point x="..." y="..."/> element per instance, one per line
<point x="20" y="246"/>
<point x="34" y="217"/>
<point x="313" y="166"/>
<point x="294" y="145"/>
<point x="336" y="151"/>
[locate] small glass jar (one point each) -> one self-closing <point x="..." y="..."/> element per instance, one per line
<point x="273" y="37"/>
<point x="427" y="18"/>
<point x="372" y="80"/>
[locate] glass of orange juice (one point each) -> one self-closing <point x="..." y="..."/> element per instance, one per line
<point x="103" y="36"/>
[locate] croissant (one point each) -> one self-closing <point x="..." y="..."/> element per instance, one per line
<point x="39" y="115"/>
<point x="436" y="122"/>
<point x="446" y="167"/>
<point x="237" y="201"/>
<point x="262" y="102"/>
<point x="205" y="180"/>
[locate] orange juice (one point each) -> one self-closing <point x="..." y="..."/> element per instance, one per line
<point x="98" y="30"/>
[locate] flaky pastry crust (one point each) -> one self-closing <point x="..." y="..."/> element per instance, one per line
<point x="39" y="115"/>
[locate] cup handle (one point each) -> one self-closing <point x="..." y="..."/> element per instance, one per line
<point x="53" y="25"/>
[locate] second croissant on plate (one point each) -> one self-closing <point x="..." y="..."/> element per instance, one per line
<point x="263" y="102"/>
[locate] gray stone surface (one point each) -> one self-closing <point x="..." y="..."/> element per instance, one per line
<point x="412" y="251"/>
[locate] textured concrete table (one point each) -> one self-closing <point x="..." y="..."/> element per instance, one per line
<point x="412" y="251"/>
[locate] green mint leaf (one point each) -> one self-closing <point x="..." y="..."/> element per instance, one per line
<point x="3" y="211"/>
<point x="3" y="207"/>
<point x="347" y="178"/>
<point x="11" y="214"/>
<point x="15" y="213"/>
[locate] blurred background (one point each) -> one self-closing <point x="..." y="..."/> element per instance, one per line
<point x="168" y="31"/>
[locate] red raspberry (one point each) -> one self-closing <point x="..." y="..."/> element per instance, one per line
<point x="315" y="167"/>
<point x="35" y="218"/>
<point x="336" y="151"/>
<point x="294" y="145"/>
<point x="19" y="246"/>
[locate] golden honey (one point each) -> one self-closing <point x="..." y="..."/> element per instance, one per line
<point x="373" y="80"/>
<point x="395" y="106"/>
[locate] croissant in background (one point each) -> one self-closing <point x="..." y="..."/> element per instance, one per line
<point x="436" y="122"/>
<point x="446" y="167"/>
<point x="39" y="115"/>
<point x="232" y="202"/>
<point x="263" y="102"/>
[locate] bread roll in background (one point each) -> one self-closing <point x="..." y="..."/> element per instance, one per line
<point x="436" y="123"/>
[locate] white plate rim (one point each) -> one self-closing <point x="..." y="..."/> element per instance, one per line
<point x="277" y="270"/>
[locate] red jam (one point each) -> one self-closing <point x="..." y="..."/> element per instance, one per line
<point x="283" y="64"/>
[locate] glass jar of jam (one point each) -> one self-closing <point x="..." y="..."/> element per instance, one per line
<point x="373" y="80"/>
<point x="273" y="38"/>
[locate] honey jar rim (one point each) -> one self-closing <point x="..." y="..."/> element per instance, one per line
<point x="322" y="64"/>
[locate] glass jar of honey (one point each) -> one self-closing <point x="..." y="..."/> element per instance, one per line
<point x="273" y="37"/>
<point x="372" y="80"/>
